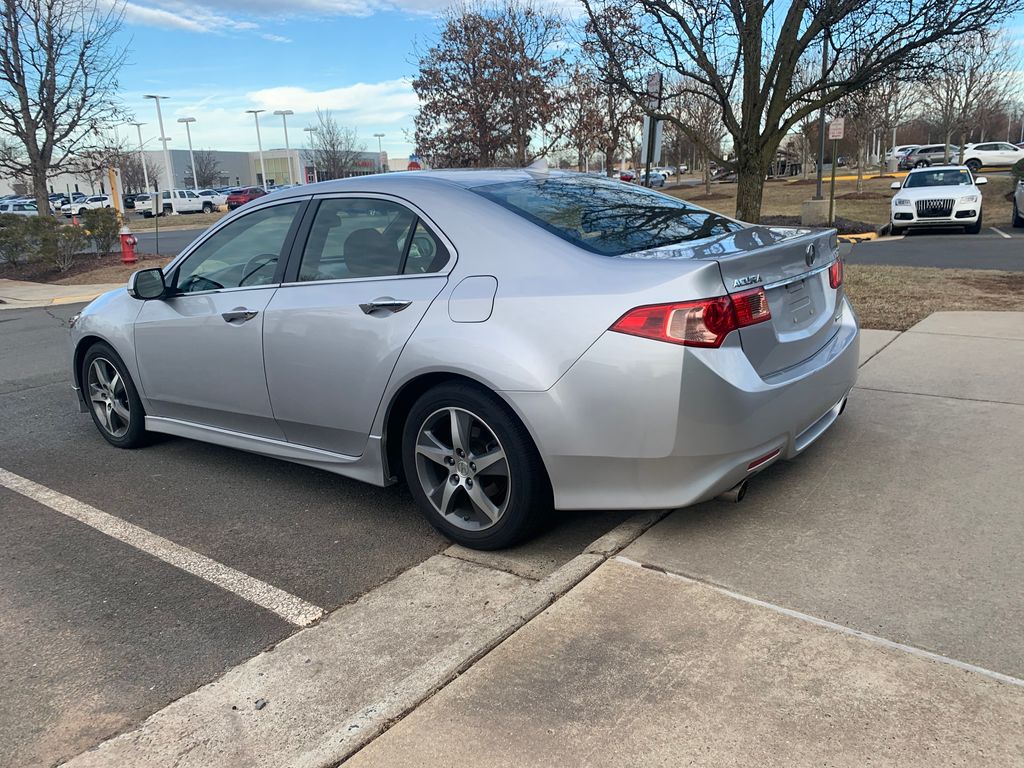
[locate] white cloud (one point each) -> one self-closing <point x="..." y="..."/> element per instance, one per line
<point x="359" y="104"/>
<point x="275" y="38"/>
<point x="184" y="16"/>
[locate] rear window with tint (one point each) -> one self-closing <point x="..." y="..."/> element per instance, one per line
<point x="605" y="216"/>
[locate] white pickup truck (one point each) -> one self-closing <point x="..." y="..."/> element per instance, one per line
<point x="181" y="201"/>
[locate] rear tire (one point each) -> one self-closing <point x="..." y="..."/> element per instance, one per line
<point x="490" y="506"/>
<point x="1018" y="220"/>
<point x="112" y="399"/>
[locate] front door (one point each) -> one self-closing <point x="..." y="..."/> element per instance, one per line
<point x="200" y="352"/>
<point x="333" y="332"/>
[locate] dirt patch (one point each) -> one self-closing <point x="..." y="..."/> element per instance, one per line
<point x="895" y="298"/>
<point x="712" y="196"/>
<point x="803" y="183"/>
<point x="87" y="269"/>
<point x="862" y="196"/>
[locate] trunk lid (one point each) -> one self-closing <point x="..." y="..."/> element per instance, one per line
<point x="791" y="264"/>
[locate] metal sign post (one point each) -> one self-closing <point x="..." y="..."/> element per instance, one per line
<point x="654" y="83"/>
<point x="835" y="132"/>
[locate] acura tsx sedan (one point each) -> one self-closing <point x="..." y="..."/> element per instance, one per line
<point x="507" y="342"/>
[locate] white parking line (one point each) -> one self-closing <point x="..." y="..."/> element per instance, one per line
<point x="289" y="607"/>
<point x="1001" y="233"/>
<point x="914" y="651"/>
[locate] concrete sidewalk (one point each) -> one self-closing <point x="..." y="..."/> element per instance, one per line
<point x="21" y="294"/>
<point x="862" y="606"/>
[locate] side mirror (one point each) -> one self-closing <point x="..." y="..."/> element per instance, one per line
<point x="895" y="185"/>
<point x="147" y="284"/>
<point x="980" y="180"/>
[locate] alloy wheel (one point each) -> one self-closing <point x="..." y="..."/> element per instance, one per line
<point x="108" y="397"/>
<point x="463" y="469"/>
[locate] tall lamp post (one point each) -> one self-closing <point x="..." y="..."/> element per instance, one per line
<point x="163" y="140"/>
<point x="288" y="152"/>
<point x="259" y="143"/>
<point x="380" y="151"/>
<point x="311" y="130"/>
<point x="187" y="121"/>
<point x="142" y="155"/>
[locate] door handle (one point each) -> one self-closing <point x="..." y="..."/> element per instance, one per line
<point x="239" y="314"/>
<point x="385" y="303"/>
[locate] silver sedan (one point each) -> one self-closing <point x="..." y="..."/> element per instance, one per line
<point x="507" y="342"/>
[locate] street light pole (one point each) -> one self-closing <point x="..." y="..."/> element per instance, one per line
<point x="380" y="151"/>
<point x="163" y="140"/>
<point x="187" y="121"/>
<point x="142" y="155"/>
<point x="288" y="152"/>
<point x="311" y="131"/>
<point x="259" y="143"/>
<point x="821" y="118"/>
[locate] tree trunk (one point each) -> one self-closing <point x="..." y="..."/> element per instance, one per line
<point x="39" y="189"/>
<point x="751" y="168"/>
<point x="860" y="170"/>
<point x="707" y="173"/>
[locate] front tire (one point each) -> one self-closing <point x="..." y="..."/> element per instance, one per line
<point x="1018" y="220"/>
<point x="896" y="231"/>
<point x="975" y="228"/>
<point x="473" y="468"/>
<point x="207" y="208"/>
<point x="974" y="165"/>
<point x="113" y="401"/>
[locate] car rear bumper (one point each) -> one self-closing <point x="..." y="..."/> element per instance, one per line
<point x="641" y="424"/>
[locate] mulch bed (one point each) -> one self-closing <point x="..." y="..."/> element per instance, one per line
<point x="844" y="226"/>
<point x="862" y="196"/>
<point x="44" y="272"/>
<point x="712" y="196"/>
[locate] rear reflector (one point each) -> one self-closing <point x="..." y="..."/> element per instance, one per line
<point x="702" y="323"/>
<point x="835" y="273"/>
<point x="764" y="459"/>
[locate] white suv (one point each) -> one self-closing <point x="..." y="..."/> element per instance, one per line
<point x="937" y="196"/>
<point x="81" y="206"/>
<point x="1018" y="204"/>
<point x="997" y="153"/>
<point x="180" y="201"/>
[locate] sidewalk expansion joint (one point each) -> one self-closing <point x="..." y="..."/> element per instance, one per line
<point x="824" y="623"/>
<point x="940" y="397"/>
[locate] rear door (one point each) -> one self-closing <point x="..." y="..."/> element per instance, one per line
<point x="360" y="278"/>
<point x="792" y="266"/>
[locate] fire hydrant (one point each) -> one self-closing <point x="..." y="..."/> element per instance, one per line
<point x="128" y="243"/>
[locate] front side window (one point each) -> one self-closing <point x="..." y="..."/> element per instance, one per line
<point x="356" y="237"/>
<point x="241" y="254"/>
<point x="605" y="216"/>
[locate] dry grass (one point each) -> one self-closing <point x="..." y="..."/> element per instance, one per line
<point x="139" y="223"/>
<point x="784" y="199"/>
<point x="895" y="298"/>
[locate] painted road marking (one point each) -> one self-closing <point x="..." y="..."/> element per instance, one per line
<point x="289" y="607"/>
<point x="832" y="625"/>
<point x="1001" y="233"/>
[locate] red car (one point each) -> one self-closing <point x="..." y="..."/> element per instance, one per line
<point x="243" y="195"/>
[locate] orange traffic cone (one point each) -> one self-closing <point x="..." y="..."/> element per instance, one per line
<point x="74" y="220"/>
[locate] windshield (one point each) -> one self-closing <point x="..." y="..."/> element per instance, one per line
<point x="606" y="216"/>
<point x="946" y="177"/>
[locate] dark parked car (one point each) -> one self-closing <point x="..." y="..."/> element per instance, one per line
<point x="243" y="195"/>
<point x="927" y="155"/>
<point x="129" y="201"/>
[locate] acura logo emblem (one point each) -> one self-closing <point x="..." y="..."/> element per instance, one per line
<point x="810" y="255"/>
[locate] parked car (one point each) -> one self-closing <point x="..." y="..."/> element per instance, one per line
<point x="1018" y="205"/>
<point x="900" y="150"/>
<point x="19" y="208"/>
<point x="215" y="197"/>
<point x="243" y="195"/>
<point x="81" y="205"/>
<point x="58" y="199"/>
<point x="994" y="153"/>
<point x="937" y="196"/>
<point x="679" y="369"/>
<point x="181" y="201"/>
<point x="929" y="154"/>
<point x="128" y="200"/>
<point x="629" y="175"/>
<point x="657" y="179"/>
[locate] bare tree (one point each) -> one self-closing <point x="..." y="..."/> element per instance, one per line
<point x="748" y="54"/>
<point x="489" y="84"/>
<point x="207" y="168"/>
<point x="581" y="114"/>
<point x="59" y="63"/>
<point x="335" y="147"/>
<point x="699" y="116"/>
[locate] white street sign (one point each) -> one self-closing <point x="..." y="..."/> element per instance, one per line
<point x="836" y="128"/>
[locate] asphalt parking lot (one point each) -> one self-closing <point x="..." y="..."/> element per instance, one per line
<point x="97" y="634"/>
<point x="992" y="248"/>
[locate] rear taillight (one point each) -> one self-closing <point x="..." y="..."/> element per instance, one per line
<point x="703" y="323"/>
<point x="835" y="273"/>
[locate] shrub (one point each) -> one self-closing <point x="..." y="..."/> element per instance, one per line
<point x="15" y="246"/>
<point x="104" y="227"/>
<point x="1018" y="171"/>
<point x="56" y="243"/>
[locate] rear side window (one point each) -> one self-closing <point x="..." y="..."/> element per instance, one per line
<point x="605" y="216"/>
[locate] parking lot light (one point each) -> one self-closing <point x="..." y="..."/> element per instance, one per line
<point x="142" y="155"/>
<point x="192" y="157"/>
<point x="259" y="143"/>
<point x="163" y="140"/>
<point x="284" y="121"/>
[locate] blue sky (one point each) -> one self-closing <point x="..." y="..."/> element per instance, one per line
<point x="217" y="58"/>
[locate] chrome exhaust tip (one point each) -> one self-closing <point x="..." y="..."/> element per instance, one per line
<point x="734" y="494"/>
